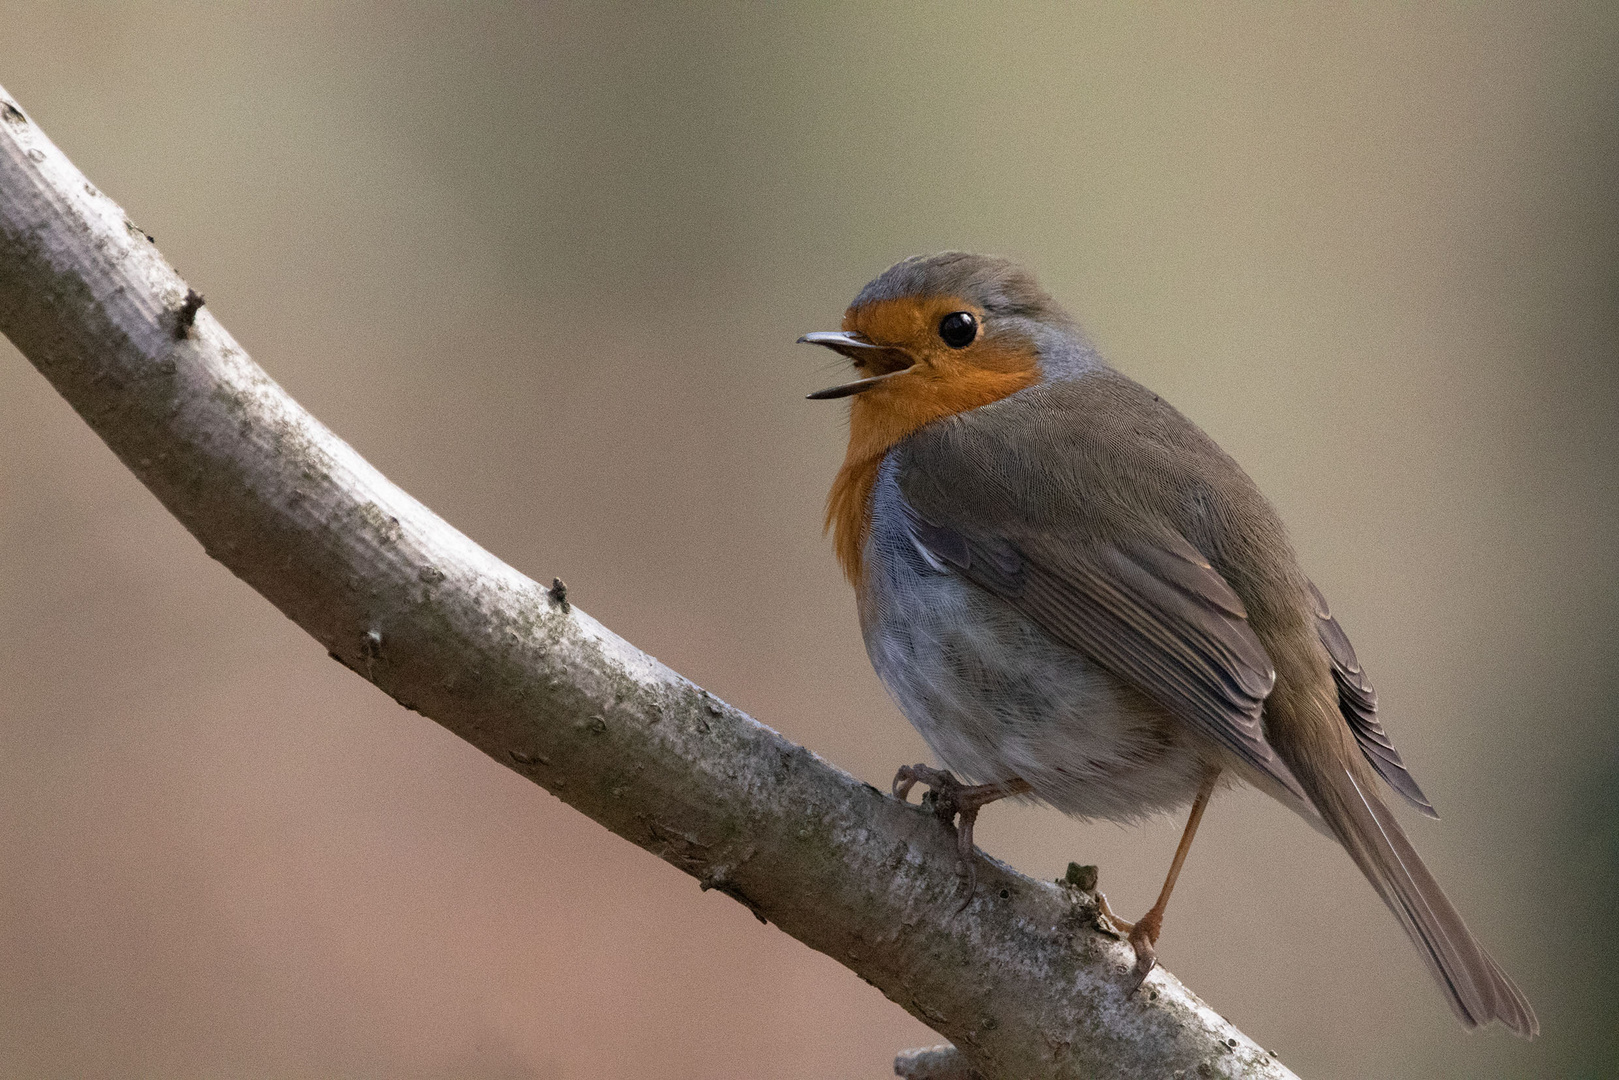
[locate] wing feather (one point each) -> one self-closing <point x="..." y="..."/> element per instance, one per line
<point x="1358" y="702"/>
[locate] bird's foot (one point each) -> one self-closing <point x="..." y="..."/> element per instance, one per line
<point x="957" y="805"/>
<point x="1143" y="937"/>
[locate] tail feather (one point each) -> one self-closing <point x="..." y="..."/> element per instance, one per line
<point x="1478" y="990"/>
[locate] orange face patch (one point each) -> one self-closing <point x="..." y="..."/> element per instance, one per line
<point x="938" y="381"/>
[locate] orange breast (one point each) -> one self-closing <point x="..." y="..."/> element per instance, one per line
<point x="943" y="383"/>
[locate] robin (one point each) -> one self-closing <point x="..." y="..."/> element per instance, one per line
<point x="1077" y="597"/>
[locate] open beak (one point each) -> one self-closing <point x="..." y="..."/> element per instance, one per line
<point x="849" y="344"/>
<point x="859" y="386"/>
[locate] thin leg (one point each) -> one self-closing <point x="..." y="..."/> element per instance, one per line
<point x="1144" y="934"/>
<point x="952" y="800"/>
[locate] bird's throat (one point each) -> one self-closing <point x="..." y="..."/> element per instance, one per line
<point x="880" y="418"/>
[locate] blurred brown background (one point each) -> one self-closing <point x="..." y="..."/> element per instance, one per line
<point x="545" y="265"/>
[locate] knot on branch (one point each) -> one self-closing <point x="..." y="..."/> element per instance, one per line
<point x="186" y="317"/>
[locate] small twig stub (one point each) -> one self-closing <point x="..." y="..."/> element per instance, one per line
<point x="188" y="313"/>
<point x="186" y="317"/>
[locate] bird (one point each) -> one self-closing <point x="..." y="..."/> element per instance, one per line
<point x="1078" y="598"/>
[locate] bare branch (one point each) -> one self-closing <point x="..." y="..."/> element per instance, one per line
<point x="1022" y="979"/>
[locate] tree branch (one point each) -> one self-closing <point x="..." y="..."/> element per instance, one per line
<point x="1023" y="979"/>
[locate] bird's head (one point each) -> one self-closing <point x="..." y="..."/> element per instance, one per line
<point x="936" y="334"/>
<point x="930" y="337"/>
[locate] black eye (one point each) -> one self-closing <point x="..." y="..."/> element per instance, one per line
<point x="958" y="329"/>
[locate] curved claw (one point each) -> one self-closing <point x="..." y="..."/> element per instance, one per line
<point x="1145" y="962"/>
<point x="1143" y="936"/>
<point x="908" y="776"/>
<point x="904" y="780"/>
<point x="966" y="865"/>
<point x="1121" y="926"/>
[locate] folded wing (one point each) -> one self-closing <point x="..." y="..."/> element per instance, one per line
<point x="1155" y="614"/>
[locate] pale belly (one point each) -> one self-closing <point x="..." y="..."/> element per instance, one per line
<point x="997" y="698"/>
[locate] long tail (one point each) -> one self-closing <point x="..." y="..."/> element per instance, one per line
<point x="1479" y="991"/>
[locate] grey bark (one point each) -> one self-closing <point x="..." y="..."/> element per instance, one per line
<point x="935" y="1063"/>
<point x="1025" y="980"/>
